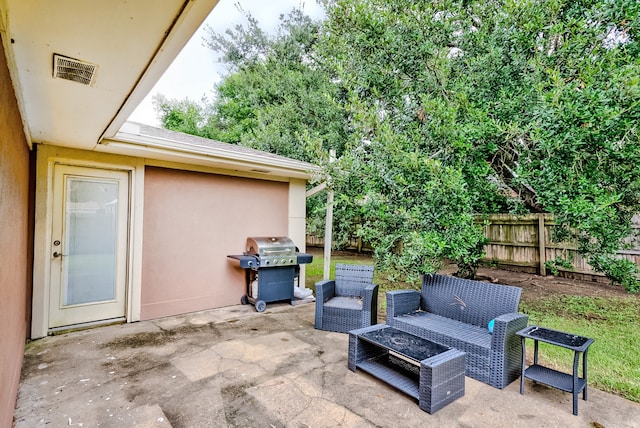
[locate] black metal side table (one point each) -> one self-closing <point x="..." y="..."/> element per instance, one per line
<point x="563" y="381"/>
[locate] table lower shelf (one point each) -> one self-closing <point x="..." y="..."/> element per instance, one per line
<point x="554" y="378"/>
<point x="390" y="373"/>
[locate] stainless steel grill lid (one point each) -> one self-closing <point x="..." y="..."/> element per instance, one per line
<point x="273" y="250"/>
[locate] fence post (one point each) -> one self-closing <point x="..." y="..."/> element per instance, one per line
<point x="542" y="244"/>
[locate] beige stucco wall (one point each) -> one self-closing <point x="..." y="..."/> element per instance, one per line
<point x="192" y="221"/>
<point x="172" y="224"/>
<point x="15" y="244"/>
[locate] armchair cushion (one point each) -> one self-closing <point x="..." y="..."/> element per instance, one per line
<point x="353" y="303"/>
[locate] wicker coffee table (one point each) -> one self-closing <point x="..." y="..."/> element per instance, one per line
<point x="431" y="373"/>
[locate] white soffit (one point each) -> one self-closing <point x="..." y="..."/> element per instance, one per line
<point x="130" y="43"/>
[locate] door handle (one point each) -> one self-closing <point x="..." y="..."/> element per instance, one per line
<point x="57" y="254"/>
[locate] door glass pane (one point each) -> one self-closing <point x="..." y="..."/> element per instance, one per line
<point x="89" y="260"/>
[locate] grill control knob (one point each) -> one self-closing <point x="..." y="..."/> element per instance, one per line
<point x="290" y="260"/>
<point x="275" y="262"/>
<point x="266" y="262"/>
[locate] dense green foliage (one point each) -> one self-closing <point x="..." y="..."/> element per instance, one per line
<point x="440" y="110"/>
<point x="535" y="104"/>
<point x="277" y="98"/>
<point x="185" y="116"/>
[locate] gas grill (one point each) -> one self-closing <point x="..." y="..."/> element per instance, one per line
<point x="272" y="265"/>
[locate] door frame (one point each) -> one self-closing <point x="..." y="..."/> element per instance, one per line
<point x="47" y="158"/>
<point x="89" y="308"/>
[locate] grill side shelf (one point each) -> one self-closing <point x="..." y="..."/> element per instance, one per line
<point x="304" y="258"/>
<point x="246" y="262"/>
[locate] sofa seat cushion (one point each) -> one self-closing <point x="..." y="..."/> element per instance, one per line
<point x="473" y="340"/>
<point x="354" y="303"/>
<point x="456" y="334"/>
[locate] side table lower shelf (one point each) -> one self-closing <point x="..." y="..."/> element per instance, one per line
<point x="554" y="378"/>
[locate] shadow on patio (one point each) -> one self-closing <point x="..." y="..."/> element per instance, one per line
<point x="234" y="367"/>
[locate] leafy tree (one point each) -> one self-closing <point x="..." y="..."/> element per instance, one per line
<point x="184" y="116"/>
<point x="277" y="97"/>
<point x="533" y="103"/>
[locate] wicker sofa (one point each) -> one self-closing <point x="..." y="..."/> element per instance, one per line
<point x="456" y="312"/>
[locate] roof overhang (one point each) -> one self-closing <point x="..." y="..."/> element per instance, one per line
<point x="131" y="43"/>
<point x="160" y="144"/>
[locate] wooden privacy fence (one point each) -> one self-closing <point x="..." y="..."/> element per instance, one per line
<point x="355" y="244"/>
<point x="523" y="243"/>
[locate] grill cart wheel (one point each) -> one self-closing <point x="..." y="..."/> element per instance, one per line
<point x="244" y="300"/>
<point x="261" y="306"/>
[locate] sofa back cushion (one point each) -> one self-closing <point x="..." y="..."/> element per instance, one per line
<point x="472" y="302"/>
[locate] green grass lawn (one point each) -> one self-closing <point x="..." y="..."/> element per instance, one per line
<point x="613" y="359"/>
<point x="315" y="269"/>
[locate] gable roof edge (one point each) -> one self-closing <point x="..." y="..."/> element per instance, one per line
<point x="145" y="141"/>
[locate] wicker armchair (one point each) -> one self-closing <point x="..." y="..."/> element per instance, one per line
<point x="348" y="302"/>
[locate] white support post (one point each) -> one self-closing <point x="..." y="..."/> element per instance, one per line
<point x="328" y="229"/>
<point x="328" y="235"/>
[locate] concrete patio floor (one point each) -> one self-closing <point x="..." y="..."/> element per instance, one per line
<point x="234" y="367"/>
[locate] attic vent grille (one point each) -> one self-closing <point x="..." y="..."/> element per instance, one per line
<point x="73" y="69"/>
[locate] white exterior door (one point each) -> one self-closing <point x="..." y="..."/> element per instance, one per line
<point x="89" y="245"/>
